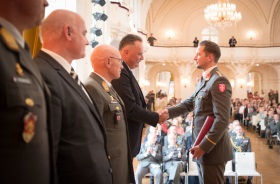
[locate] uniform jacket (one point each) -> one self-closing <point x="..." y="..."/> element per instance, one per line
<point x="128" y="89"/>
<point x="78" y="129"/>
<point x="22" y="92"/>
<point x="117" y="131"/>
<point x="243" y="144"/>
<point x="146" y="160"/>
<point x="211" y="97"/>
<point x="168" y="161"/>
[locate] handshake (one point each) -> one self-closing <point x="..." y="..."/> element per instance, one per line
<point x="163" y="115"/>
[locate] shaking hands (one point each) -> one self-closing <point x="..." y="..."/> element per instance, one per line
<point x="163" y="115"/>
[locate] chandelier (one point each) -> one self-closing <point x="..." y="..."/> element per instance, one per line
<point x="222" y="14"/>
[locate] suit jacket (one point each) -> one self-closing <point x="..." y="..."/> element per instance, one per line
<point x="117" y="131"/>
<point x="78" y="129"/>
<point x="211" y="97"/>
<point x="22" y="92"/>
<point x="128" y="89"/>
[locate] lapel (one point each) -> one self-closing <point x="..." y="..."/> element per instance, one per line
<point x="24" y="56"/>
<point x="26" y="61"/>
<point x="135" y="84"/>
<point x="68" y="78"/>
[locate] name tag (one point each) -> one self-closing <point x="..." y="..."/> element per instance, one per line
<point x="21" y="80"/>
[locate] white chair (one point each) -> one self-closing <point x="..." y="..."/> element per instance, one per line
<point x="192" y="169"/>
<point x="245" y="165"/>
<point x="229" y="172"/>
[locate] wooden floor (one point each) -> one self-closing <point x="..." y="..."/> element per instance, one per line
<point x="268" y="160"/>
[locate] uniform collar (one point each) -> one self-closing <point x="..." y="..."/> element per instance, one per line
<point x="13" y="31"/>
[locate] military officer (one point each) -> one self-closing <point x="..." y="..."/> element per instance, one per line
<point x="107" y="64"/>
<point x="211" y="98"/>
<point x="24" y="134"/>
<point x="150" y="157"/>
<point x="174" y="158"/>
<point x="240" y="143"/>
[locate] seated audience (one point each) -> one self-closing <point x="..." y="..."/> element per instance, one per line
<point x="174" y="158"/>
<point x="149" y="157"/>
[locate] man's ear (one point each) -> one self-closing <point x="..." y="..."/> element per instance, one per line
<point x="67" y="32"/>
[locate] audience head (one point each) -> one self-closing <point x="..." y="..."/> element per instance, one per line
<point x="236" y="123"/>
<point x="23" y="14"/>
<point x="64" y="32"/>
<point x="172" y="129"/>
<point x="152" y="138"/>
<point x="239" y="130"/>
<point x="171" y="139"/>
<point x="106" y="61"/>
<point x="131" y="49"/>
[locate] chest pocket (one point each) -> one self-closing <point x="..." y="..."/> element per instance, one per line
<point x="117" y="113"/>
<point x="202" y="99"/>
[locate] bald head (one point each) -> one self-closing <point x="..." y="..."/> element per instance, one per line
<point x="106" y="61"/>
<point x="64" y="32"/>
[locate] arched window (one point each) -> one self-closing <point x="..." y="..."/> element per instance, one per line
<point x="210" y="33"/>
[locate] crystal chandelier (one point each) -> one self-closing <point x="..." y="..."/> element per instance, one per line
<point x="222" y="14"/>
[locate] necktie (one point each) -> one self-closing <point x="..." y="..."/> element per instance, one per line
<point x="75" y="76"/>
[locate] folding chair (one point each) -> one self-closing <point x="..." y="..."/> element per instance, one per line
<point x="192" y="169"/>
<point x="229" y="172"/>
<point x="245" y="165"/>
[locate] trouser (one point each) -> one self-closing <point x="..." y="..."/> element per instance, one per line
<point x="211" y="173"/>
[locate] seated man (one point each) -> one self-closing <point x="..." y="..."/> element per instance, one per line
<point x="273" y="128"/>
<point x="240" y="143"/>
<point x="174" y="158"/>
<point x="150" y="159"/>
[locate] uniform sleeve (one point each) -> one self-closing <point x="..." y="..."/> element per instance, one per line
<point x="221" y="94"/>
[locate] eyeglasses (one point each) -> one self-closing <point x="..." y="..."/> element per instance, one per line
<point x="120" y="60"/>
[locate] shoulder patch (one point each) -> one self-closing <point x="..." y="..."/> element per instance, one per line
<point x="219" y="73"/>
<point x="9" y="39"/>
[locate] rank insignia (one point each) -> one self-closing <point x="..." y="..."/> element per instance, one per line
<point x="29" y="122"/>
<point x="222" y="87"/>
<point x="207" y="77"/>
<point x="105" y="86"/>
<point x="19" y="69"/>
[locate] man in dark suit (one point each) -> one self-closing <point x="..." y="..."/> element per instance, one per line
<point x="107" y="64"/>
<point x="232" y="41"/>
<point x="25" y="150"/>
<point x="211" y="98"/>
<point x="131" y="50"/>
<point x="78" y="129"/>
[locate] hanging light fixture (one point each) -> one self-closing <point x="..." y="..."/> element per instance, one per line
<point x="222" y="14"/>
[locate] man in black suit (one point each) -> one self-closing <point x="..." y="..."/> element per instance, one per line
<point x="131" y="50"/>
<point x="232" y="41"/>
<point x="25" y="155"/>
<point x="78" y="129"/>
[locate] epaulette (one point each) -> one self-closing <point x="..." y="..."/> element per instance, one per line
<point x="219" y="73"/>
<point x="9" y="39"/>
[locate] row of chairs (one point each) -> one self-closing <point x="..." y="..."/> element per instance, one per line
<point x="245" y="165"/>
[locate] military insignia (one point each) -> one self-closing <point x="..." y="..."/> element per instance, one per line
<point x="9" y="39"/>
<point x="29" y="122"/>
<point x="19" y="69"/>
<point x="105" y="86"/>
<point x="222" y="87"/>
<point x="207" y="77"/>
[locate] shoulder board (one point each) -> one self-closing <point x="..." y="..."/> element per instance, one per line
<point x="219" y="73"/>
<point x="9" y="39"/>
